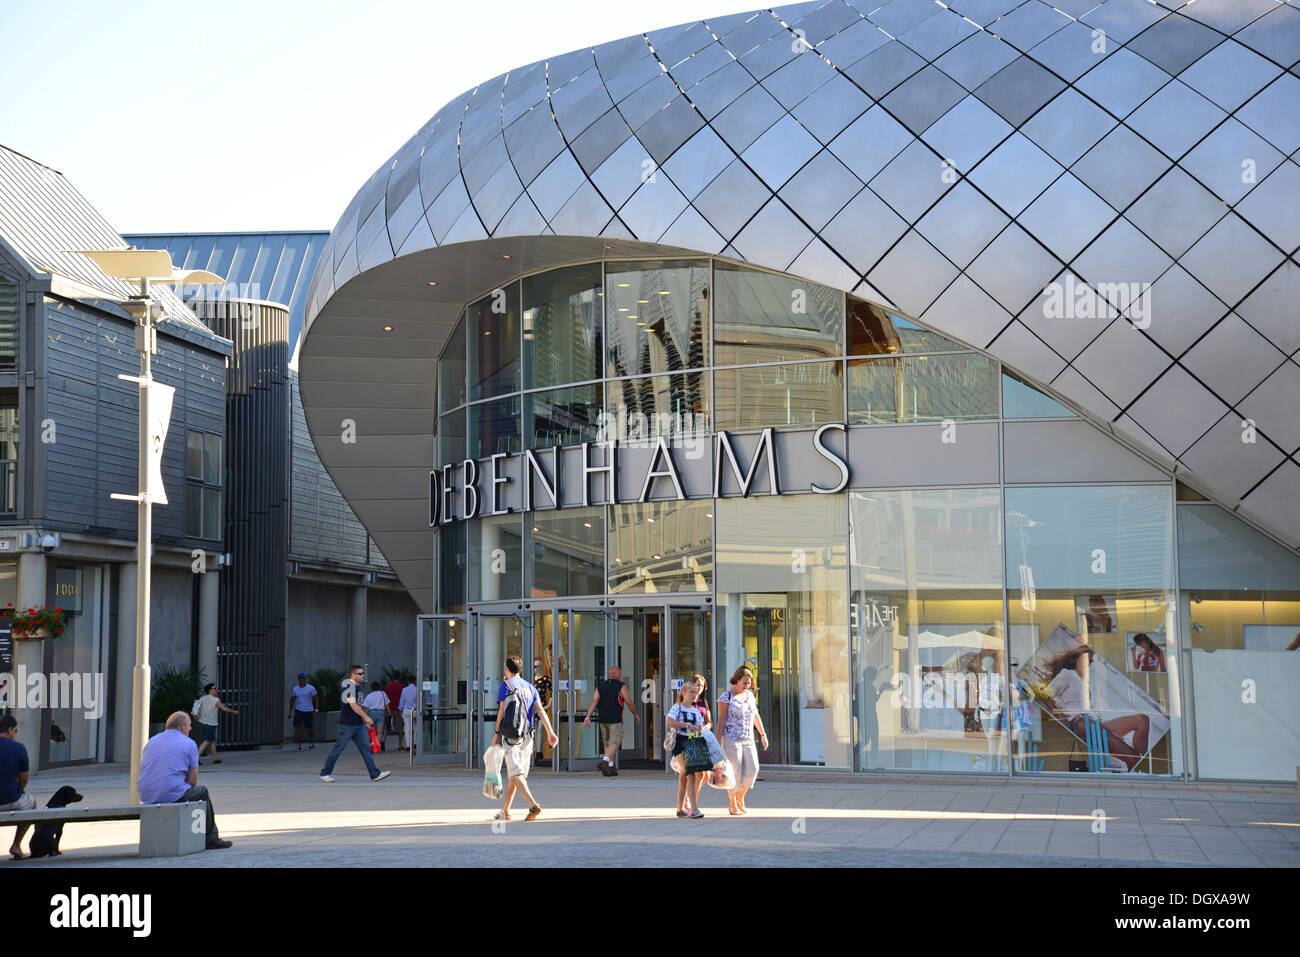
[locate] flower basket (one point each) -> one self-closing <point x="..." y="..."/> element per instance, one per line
<point x="39" y="623"/>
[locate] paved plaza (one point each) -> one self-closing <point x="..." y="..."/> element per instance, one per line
<point x="279" y="814"/>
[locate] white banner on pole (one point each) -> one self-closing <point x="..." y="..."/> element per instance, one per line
<point x="160" y="417"/>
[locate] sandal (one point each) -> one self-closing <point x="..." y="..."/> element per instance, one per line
<point x="501" y="816"/>
<point x="533" y="811"/>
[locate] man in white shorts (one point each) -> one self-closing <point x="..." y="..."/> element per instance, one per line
<point x="516" y="693"/>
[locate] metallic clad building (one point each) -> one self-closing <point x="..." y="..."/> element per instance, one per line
<point x="1097" y="195"/>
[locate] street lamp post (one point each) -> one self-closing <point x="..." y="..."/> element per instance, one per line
<point x="144" y="266"/>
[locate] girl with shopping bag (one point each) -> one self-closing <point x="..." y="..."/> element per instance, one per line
<point x="690" y="752"/>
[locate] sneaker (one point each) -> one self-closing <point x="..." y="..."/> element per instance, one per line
<point x="216" y="844"/>
<point x="381" y="775"/>
<point x="299" y="748"/>
<point x="681" y="813"/>
<point x="216" y="760"/>
<point x="697" y="813"/>
<point x="613" y="771"/>
<point x="605" y="767"/>
<point x="327" y="778"/>
<point x="311" y="747"/>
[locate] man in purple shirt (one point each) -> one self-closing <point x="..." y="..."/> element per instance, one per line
<point x="169" y="772"/>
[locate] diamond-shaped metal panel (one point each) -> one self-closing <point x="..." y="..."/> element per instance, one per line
<point x="1232" y="359"/>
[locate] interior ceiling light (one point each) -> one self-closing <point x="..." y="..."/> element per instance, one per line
<point x="388" y="328"/>
<point x="433" y="284"/>
<point x="664" y="293"/>
<point x="505" y="256"/>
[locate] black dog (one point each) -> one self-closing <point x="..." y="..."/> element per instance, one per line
<point x="46" y="837"/>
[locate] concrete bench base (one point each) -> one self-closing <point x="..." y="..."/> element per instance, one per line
<point x="166" y="830"/>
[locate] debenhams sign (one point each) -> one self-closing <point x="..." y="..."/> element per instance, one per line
<point x="607" y="473"/>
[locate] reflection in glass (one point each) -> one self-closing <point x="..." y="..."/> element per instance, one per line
<point x="566" y="553"/>
<point x="670" y="405"/>
<point x="450" y="442"/>
<point x="193" y="455"/>
<point x="660" y="547"/>
<point x="780" y="577"/>
<point x="804" y="393"/>
<point x="492" y="334"/>
<point x="930" y="658"/>
<point x="211" y="458"/>
<point x="496" y="557"/>
<point x="499" y="637"/>
<point x="1023" y="401"/>
<point x="1240" y="603"/>
<point x="657" y="316"/>
<point x="580" y="660"/>
<point x="563" y="416"/>
<point x="763" y="317"/>
<point x="443" y="720"/>
<point x="494" y="427"/>
<point x="562" y="326"/>
<point x="451" y="371"/>
<point x="922" y="389"/>
<point x="1088" y="570"/>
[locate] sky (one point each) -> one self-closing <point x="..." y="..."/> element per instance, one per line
<point x="267" y="115"/>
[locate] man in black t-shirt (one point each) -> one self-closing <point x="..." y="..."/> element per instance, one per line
<point x="607" y="702"/>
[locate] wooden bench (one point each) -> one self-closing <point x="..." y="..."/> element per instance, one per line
<point x="166" y="830"/>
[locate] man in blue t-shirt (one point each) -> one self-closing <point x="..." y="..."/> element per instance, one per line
<point x="520" y="754"/>
<point x="13" y="779"/>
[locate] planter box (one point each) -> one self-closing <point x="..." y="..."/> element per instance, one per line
<point x="32" y="635"/>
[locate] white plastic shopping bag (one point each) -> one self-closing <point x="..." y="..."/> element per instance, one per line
<point x="716" y="754"/>
<point x="493" y="758"/>
<point x="724" y="777"/>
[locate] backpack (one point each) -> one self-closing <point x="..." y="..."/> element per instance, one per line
<point x="514" y="714"/>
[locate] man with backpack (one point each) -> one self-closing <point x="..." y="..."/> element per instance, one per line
<point x="518" y="701"/>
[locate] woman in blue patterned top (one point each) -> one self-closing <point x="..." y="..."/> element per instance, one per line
<point x="738" y="717"/>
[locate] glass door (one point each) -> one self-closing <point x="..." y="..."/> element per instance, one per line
<point x="497" y="636"/>
<point x="442" y="663"/>
<point x="580" y="658"/>
<point x="685" y="652"/>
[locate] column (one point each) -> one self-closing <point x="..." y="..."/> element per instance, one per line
<point x="124" y="662"/>
<point x="357" y="631"/>
<point x="209" y="592"/>
<point x="29" y="653"/>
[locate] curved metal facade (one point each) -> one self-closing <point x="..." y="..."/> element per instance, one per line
<point x="952" y="162"/>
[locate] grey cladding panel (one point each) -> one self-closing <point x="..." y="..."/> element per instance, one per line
<point x="1072" y="451"/>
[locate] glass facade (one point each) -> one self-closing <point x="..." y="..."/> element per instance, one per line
<point x="961" y="621"/>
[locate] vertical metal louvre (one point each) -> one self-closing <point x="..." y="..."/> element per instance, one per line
<point x="251" y="626"/>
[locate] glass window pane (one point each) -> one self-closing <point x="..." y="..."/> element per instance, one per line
<point x="661" y="547"/>
<point x="780" y="576"/>
<point x="1240" y="607"/>
<point x="656" y="316"/>
<point x="927" y="629"/>
<point x="669" y="405"/>
<point x="1089" y="569"/>
<point x="9" y="433"/>
<point x="562" y="326"/>
<point x="806" y="393"/>
<point x="914" y="338"/>
<point x="923" y="388"/>
<point x="451" y="438"/>
<point x="871" y="329"/>
<point x="193" y="510"/>
<point x="564" y="416"/>
<point x="212" y="458"/>
<point x="566" y="554"/>
<point x="492" y="332"/>
<point x="496" y="557"/>
<point x="763" y="317"/>
<point x="451" y="548"/>
<point x="1023" y="401"/>
<point x="194" y="455"/>
<point x="494" y="427"/>
<point x="451" y="371"/>
<point x="212" y="514"/>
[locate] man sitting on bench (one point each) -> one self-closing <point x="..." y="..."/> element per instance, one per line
<point x="169" y="772"/>
<point x="13" y="780"/>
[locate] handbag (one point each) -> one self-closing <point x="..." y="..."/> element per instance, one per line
<point x="375" y="746"/>
<point x="697" y="754"/>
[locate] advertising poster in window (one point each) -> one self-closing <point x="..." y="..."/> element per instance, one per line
<point x="1114" y="720"/>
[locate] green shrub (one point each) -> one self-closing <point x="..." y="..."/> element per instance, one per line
<point x="397" y="673"/>
<point x="174" y="689"/>
<point x="329" y="687"/>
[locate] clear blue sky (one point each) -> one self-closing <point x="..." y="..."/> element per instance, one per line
<point x="242" y="115"/>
